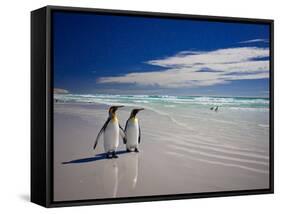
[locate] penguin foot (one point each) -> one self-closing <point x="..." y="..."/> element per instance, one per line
<point x="136" y="150"/>
<point x="114" y="155"/>
<point x="108" y="156"/>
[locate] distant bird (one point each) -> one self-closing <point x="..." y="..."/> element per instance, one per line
<point x="217" y="108"/>
<point x="112" y="130"/>
<point x="212" y="108"/>
<point x="133" y="132"/>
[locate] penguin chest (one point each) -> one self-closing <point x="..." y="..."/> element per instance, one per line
<point x="132" y="133"/>
<point x="111" y="136"/>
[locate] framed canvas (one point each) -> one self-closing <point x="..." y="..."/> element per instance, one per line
<point x="133" y="106"/>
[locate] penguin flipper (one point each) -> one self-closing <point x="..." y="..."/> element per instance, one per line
<point x="123" y="135"/>
<point x="139" y="134"/>
<point x="126" y="124"/>
<point x="101" y="131"/>
<point x="124" y="139"/>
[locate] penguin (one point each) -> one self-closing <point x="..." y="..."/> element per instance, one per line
<point x="133" y="132"/>
<point x="111" y="130"/>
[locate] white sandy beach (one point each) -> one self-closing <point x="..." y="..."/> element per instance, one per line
<point x="218" y="151"/>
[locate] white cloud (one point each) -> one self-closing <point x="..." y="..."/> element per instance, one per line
<point x="253" y="41"/>
<point x="195" y="69"/>
<point x="229" y="55"/>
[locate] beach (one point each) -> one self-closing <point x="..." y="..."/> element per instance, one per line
<point x="185" y="147"/>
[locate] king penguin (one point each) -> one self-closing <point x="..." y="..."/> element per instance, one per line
<point x="133" y="132"/>
<point x="111" y="130"/>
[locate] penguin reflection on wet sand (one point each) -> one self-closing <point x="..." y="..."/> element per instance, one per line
<point x="110" y="178"/>
<point x="133" y="132"/>
<point x="131" y="171"/>
<point x="111" y="130"/>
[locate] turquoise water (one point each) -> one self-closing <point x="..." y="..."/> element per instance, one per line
<point x="233" y="103"/>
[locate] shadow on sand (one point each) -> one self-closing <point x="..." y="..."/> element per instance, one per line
<point x="101" y="156"/>
<point x="24" y="197"/>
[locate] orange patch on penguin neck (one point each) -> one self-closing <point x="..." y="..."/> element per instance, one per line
<point x="135" y="120"/>
<point x="114" y="119"/>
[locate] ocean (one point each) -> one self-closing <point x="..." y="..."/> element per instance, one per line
<point x="192" y="112"/>
<point x="158" y="101"/>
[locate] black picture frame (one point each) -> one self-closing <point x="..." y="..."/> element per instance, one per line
<point x="42" y="107"/>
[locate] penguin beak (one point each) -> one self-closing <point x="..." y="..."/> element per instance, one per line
<point x="113" y="109"/>
<point x="117" y="107"/>
<point x="139" y="109"/>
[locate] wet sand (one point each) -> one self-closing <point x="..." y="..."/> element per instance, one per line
<point x="173" y="159"/>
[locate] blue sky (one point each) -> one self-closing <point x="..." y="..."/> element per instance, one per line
<point x="136" y="55"/>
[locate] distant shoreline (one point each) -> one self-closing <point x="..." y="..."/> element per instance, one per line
<point x="163" y="95"/>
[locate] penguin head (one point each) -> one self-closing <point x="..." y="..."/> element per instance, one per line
<point x="135" y="111"/>
<point x="113" y="109"/>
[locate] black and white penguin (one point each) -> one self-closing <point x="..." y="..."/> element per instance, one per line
<point x="112" y="130"/>
<point x="133" y="132"/>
